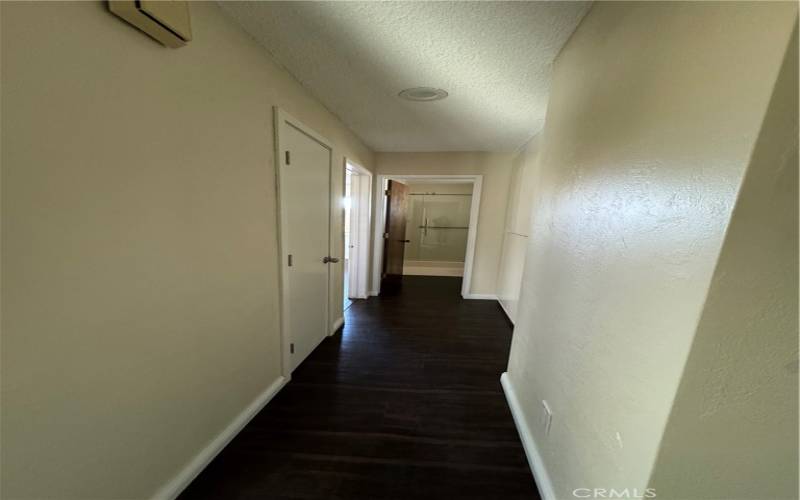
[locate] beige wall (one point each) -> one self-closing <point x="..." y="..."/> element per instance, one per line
<point x="496" y="171"/>
<point x="653" y="116"/>
<point x="524" y="178"/>
<point x="140" y="291"/>
<point x="732" y="432"/>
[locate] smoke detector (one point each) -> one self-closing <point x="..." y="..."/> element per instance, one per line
<point x="423" y="94"/>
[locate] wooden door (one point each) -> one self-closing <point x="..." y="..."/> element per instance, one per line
<point x="353" y="235"/>
<point x="394" y="237"/>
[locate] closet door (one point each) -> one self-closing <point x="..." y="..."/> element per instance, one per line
<point x="305" y="184"/>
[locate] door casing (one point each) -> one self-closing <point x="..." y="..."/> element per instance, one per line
<point x="360" y="222"/>
<point x="381" y="181"/>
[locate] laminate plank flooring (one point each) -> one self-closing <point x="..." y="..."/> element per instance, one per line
<point x="404" y="402"/>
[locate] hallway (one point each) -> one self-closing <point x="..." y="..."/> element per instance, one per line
<point x="593" y="207"/>
<point x="404" y="403"/>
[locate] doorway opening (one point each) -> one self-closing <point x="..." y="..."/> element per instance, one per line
<point x="428" y="226"/>
<point x="357" y="220"/>
<point x="348" y="179"/>
<point x="436" y="229"/>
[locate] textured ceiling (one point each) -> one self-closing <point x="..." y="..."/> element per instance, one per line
<point x="494" y="58"/>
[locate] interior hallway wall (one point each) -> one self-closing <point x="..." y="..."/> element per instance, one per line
<point x="524" y="173"/>
<point x="652" y="120"/>
<point x="732" y="432"/>
<point x="496" y="171"/>
<point x="139" y="257"/>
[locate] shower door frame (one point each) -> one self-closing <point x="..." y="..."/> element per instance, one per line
<point x="381" y="181"/>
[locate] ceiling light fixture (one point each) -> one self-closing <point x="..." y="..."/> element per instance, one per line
<point x="423" y="94"/>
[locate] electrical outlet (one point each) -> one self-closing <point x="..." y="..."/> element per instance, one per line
<point x="547" y="417"/>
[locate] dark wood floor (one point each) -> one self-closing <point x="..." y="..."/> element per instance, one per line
<point x="404" y="403"/>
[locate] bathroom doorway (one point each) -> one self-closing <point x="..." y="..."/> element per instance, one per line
<point x="437" y="228"/>
<point x="441" y="226"/>
<point x="357" y="219"/>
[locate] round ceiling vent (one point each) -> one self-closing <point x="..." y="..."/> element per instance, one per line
<point x="423" y="94"/>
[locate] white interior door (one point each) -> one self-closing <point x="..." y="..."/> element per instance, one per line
<point x="354" y="244"/>
<point x="305" y="205"/>
<point x="364" y="220"/>
<point x="360" y="219"/>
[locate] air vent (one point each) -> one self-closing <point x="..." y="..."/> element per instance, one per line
<point x="167" y="22"/>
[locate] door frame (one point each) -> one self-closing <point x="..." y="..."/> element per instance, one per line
<point x="364" y="226"/>
<point x="281" y="117"/>
<point x="380" y="215"/>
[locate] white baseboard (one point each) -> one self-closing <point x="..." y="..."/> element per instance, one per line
<point x="433" y="268"/>
<point x="535" y="462"/>
<point x="432" y="271"/>
<point x="480" y="296"/>
<point x="176" y="485"/>
<point x="508" y="315"/>
<point x="336" y="325"/>
<point x="373" y="293"/>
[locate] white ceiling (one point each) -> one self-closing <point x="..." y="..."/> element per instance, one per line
<point x="494" y="58"/>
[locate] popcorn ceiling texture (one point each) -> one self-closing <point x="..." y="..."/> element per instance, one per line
<point x="494" y="58"/>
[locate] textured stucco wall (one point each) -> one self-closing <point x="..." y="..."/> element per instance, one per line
<point x="732" y="433"/>
<point x="522" y="191"/>
<point x="655" y="110"/>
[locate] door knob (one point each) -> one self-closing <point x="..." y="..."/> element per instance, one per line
<point x="329" y="260"/>
<point x="406" y="241"/>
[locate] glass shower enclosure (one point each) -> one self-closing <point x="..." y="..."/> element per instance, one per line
<point x="437" y="228"/>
